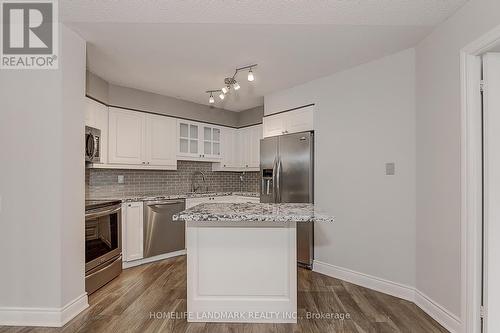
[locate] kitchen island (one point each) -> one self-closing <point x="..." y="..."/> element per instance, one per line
<point x="241" y="260"/>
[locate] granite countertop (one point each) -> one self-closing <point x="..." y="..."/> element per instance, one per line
<point x="176" y="196"/>
<point x="253" y="212"/>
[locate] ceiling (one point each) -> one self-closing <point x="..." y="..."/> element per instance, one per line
<point x="181" y="48"/>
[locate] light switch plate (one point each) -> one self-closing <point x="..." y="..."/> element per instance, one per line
<point x="390" y="169"/>
<point x="121" y="179"/>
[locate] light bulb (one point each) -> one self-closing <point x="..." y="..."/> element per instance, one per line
<point x="211" y="100"/>
<point x="236" y="86"/>
<point x="250" y="76"/>
<point x="221" y="96"/>
<point x="224" y="90"/>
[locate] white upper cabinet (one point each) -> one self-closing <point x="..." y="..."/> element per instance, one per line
<point x="289" y="122"/>
<point x="241" y="149"/>
<point x="211" y="141"/>
<point x="188" y="144"/>
<point x="229" y="151"/>
<point x="160" y="140"/>
<point x="140" y="139"/>
<point x="96" y="115"/>
<point x="126" y="137"/>
<point x="273" y="125"/>
<point x="198" y="141"/>
<point x="254" y="148"/>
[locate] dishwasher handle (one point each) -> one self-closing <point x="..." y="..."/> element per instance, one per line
<point x="162" y="203"/>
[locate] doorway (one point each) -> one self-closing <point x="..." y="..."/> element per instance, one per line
<point x="480" y="75"/>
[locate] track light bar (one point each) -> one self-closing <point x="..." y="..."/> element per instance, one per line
<point x="230" y="82"/>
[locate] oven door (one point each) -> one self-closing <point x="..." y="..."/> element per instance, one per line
<point x="102" y="235"/>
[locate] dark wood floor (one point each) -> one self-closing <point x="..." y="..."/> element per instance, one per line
<point x="125" y="304"/>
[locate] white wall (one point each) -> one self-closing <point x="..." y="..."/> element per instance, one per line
<point x="364" y="117"/>
<point x="42" y="187"/>
<point x="438" y="150"/>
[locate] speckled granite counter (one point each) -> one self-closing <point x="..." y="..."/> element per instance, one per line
<point x="254" y="212"/>
<point x="176" y="196"/>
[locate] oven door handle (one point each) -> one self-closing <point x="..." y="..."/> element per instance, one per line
<point x="103" y="268"/>
<point x="104" y="212"/>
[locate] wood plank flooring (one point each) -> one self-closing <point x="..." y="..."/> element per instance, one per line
<point x="126" y="304"/>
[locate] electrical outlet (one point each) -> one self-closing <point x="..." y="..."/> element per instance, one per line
<point x="390" y="169"/>
<point x="121" y="179"/>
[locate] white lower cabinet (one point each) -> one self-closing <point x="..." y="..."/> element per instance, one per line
<point x="132" y="231"/>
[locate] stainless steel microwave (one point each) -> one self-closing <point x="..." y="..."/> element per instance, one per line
<point x="92" y="145"/>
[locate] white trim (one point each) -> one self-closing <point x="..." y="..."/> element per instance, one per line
<point x="471" y="182"/>
<point x="439" y="313"/>
<point x="128" y="264"/>
<point x="365" y="280"/>
<point x="49" y="317"/>
<point x="471" y="192"/>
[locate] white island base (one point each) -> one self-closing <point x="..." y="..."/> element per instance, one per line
<point x="241" y="272"/>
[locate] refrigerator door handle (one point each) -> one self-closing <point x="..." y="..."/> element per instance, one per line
<point x="278" y="180"/>
<point x="274" y="179"/>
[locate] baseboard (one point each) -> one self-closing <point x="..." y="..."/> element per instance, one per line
<point x="48" y="317"/>
<point x="448" y="320"/>
<point x="128" y="264"/>
<point x="438" y="312"/>
<point x="365" y="280"/>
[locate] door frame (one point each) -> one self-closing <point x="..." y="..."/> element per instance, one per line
<point x="471" y="178"/>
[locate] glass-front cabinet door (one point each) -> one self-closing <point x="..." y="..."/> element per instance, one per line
<point x="199" y="141"/>
<point x="211" y="142"/>
<point x="188" y="139"/>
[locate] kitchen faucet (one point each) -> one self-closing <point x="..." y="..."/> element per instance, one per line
<point x="193" y="178"/>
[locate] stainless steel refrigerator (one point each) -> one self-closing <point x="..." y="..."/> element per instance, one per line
<point x="287" y="175"/>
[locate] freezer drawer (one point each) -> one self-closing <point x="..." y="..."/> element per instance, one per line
<point x="161" y="233"/>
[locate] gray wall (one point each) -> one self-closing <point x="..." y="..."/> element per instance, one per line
<point x="147" y="101"/>
<point x="364" y="117"/>
<point x="97" y="87"/>
<point x="42" y="178"/>
<point x="102" y="183"/>
<point x="251" y="116"/>
<point x="438" y="126"/>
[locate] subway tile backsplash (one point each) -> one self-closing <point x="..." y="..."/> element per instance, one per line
<point x="100" y="183"/>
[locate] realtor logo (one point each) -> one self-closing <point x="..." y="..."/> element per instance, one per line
<point x="29" y="34"/>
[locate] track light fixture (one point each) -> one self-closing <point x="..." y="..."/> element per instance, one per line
<point x="230" y="82"/>
<point x="250" y="75"/>
<point x="211" y="99"/>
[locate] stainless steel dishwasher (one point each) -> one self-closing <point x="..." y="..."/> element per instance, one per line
<point x="161" y="234"/>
